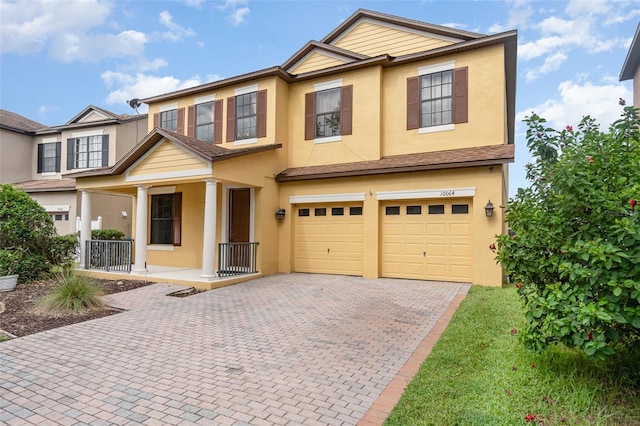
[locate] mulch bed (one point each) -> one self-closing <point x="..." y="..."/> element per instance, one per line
<point x="20" y="318"/>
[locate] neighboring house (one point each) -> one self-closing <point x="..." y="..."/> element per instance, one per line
<point x="631" y="67"/>
<point x="35" y="159"/>
<point x="372" y="152"/>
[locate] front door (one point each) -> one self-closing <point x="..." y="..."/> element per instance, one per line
<point x="239" y="224"/>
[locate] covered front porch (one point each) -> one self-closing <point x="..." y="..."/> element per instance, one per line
<point x="193" y="223"/>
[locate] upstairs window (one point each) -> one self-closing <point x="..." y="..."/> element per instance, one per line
<point x="328" y="112"/>
<point x="87" y="152"/>
<point x="437" y="98"/>
<point x="205" y="121"/>
<point x="247" y="116"/>
<point x="49" y="157"/>
<point x="170" y="118"/>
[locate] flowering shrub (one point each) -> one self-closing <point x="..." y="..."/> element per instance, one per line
<point x="575" y="244"/>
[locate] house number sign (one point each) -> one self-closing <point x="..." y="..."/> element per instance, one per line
<point x="447" y="193"/>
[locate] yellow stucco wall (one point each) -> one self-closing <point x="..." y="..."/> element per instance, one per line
<point x="362" y="144"/>
<point x="374" y="39"/>
<point x="166" y="157"/>
<point x="486" y="124"/>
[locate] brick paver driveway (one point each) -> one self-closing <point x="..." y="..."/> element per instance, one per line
<point x="284" y="349"/>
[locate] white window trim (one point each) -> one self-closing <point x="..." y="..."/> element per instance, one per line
<point x="245" y="141"/>
<point x="430" y="69"/>
<point x="426" y="193"/>
<point x="87" y="133"/>
<point x="328" y="139"/>
<point x="168" y="107"/>
<point x="435" y="129"/>
<point x="333" y="84"/>
<point x="204" y="99"/>
<point x="57" y="209"/>
<point x="48" y="174"/>
<point x="326" y="198"/>
<point x="50" y="140"/>
<point x="244" y="90"/>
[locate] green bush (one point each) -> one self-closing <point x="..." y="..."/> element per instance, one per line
<point x="76" y="293"/>
<point x="574" y="252"/>
<point x="27" y="229"/>
<point x="107" y="234"/>
<point x="9" y="261"/>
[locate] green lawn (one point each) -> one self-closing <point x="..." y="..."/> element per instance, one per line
<point x="480" y="374"/>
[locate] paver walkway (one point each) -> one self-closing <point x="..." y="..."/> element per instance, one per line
<point x="284" y="349"/>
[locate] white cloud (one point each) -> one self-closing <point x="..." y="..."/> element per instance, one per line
<point x="44" y="110"/>
<point x="176" y="32"/>
<point x="64" y="28"/>
<point x="519" y="17"/>
<point x="238" y="16"/>
<point x="551" y="63"/>
<point x="238" y="11"/>
<point x="578" y="99"/>
<point x="129" y="86"/>
<point x="193" y="3"/>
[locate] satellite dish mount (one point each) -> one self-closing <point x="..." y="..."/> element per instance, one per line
<point x="135" y="103"/>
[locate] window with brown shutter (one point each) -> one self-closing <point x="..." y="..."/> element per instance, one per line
<point x="437" y="98"/>
<point x="180" y="121"/>
<point x="247" y="116"/>
<point x="328" y="113"/>
<point x="166" y="219"/>
<point x="217" y="121"/>
<point x="191" y="124"/>
<point x="156" y="119"/>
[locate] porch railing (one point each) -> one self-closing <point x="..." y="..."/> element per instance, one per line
<point x="110" y="255"/>
<point x="237" y="259"/>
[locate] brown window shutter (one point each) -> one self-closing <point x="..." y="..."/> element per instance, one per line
<point x="217" y="121"/>
<point x="460" y="95"/>
<point x="156" y="119"/>
<point x="346" y="110"/>
<point x="231" y="119"/>
<point x="58" y="156"/>
<point x="40" y="157"/>
<point x="191" y="124"/>
<point x="180" y="125"/>
<point x="413" y="103"/>
<point x="177" y="218"/>
<point x="309" y="116"/>
<point x="261" y="114"/>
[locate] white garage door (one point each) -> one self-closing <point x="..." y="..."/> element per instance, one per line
<point x="328" y="238"/>
<point x="427" y="239"/>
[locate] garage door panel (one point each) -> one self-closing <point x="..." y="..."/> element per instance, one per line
<point x="331" y="243"/>
<point x="427" y="246"/>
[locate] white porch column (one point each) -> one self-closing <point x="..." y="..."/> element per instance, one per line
<point x="209" y="232"/>
<point x="141" y="229"/>
<point x="85" y="226"/>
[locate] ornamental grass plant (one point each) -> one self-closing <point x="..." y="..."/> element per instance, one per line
<point x="74" y="294"/>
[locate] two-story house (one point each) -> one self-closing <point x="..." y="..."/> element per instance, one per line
<point x="35" y="158"/>
<point x="379" y="151"/>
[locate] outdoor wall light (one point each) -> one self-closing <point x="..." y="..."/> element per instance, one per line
<point x="488" y="209"/>
<point x="280" y="214"/>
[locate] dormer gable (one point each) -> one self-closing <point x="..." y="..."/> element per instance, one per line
<point x="92" y="114"/>
<point x="315" y="56"/>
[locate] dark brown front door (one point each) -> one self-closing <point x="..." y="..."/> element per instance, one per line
<point x="239" y="223"/>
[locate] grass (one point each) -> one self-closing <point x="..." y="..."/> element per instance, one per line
<point x="480" y="374"/>
<point x="76" y="293"/>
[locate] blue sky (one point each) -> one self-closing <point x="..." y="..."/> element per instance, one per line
<point x="57" y="57"/>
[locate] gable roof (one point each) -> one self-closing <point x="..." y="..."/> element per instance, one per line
<point x="109" y="118"/>
<point x="396" y="20"/>
<point x="312" y="46"/>
<point x="206" y="151"/>
<point x="454" y="158"/>
<point x="17" y="123"/>
<point x="632" y="62"/>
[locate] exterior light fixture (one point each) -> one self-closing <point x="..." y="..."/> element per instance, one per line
<point x="488" y="209"/>
<point x="280" y="214"/>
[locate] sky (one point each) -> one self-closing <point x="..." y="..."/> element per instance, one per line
<point x="59" y="56"/>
